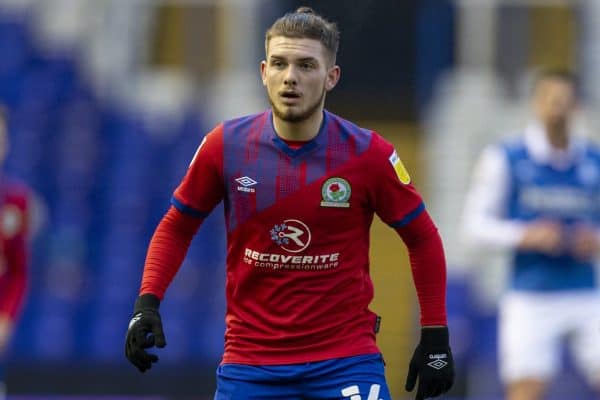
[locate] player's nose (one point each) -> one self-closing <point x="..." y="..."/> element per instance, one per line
<point x="290" y="78"/>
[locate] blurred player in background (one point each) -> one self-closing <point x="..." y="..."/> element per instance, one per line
<point x="300" y="187"/>
<point x="538" y="195"/>
<point x="15" y="209"/>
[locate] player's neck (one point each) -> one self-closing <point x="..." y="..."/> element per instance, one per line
<point x="298" y="131"/>
<point x="558" y="135"/>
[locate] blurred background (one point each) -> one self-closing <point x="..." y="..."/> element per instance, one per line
<point x="108" y="100"/>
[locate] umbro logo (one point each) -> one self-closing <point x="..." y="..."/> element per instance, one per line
<point x="438" y="363"/>
<point x="246" y="184"/>
<point x="135" y="319"/>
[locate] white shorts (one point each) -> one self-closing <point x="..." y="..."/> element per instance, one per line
<point x="533" y="328"/>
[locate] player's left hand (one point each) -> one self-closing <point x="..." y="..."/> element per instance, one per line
<point x="585" y="243"/>
<point x="432" y="364"/>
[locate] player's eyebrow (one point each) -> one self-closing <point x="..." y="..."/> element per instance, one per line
<point x="308" y="59"/>
<point x="301" y="59"/>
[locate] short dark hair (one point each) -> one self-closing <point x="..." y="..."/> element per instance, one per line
<point x="306" y="23"/>
<point x="556" y="74"/>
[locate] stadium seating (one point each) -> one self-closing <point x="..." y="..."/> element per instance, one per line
<point x="106" y="181"/>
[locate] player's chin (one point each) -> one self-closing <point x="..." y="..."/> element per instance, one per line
<point x="295" y="117"/>
<point x="291" y="114"/>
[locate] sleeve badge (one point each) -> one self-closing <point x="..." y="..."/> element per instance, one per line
<point x="401" y="172"/>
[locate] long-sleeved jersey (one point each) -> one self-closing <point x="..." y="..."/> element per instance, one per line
<point x="298" y="220"/>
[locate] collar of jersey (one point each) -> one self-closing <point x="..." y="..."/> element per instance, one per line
<point x="306" y="147"/>
<point x="536" y="141"/>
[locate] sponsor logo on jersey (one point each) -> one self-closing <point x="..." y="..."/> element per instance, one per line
<point x="291" y="235"/>
<point x="401" y="172"/>
<point x="315" y="262"/>
<point x="562" y="201"/>
<point x="246" y="184"/>
<point x="336" y="193"/>
<point x="11" y="221"/>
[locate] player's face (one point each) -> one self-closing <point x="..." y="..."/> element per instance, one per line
<point x="554" y="101"/>
<point x="297" y="74"/>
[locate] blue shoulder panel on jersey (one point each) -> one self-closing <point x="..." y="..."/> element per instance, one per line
<point x="409" y="217"/>
<point x="514" y="148"/>
<point x="187" y="209"/>
<point x="344" y="140"/>
<point x="592" y="151"/>
<point x="361" y="137"/>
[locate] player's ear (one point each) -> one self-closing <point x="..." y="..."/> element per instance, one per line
<point x="333" y="76"/>
<point x="263" y="69"/>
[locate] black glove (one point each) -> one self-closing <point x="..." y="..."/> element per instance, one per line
<point x="432" y="363"/>
<point x="145" y="330"/>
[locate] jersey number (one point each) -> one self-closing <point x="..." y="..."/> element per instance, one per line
<point x="353" y="392"/>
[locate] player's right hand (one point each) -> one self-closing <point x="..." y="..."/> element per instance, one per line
<point x="145" y="331"/>
<point x="543" y="236"/>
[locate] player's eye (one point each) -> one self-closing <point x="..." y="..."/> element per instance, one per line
<point x="277" y="63"/>
<point x="307" y="65"/>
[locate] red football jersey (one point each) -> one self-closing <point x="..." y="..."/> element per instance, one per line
<point x="298" y="221"/>
<point x="14" y="222"/>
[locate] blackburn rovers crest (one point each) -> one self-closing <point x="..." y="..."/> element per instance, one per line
<point x="336" y="193"/>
